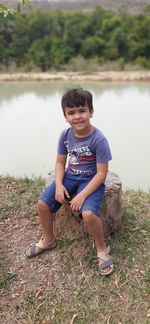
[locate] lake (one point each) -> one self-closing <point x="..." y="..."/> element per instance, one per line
<point x="31" y="120"/>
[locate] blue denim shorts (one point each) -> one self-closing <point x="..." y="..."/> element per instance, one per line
<point x="74" y="185"/>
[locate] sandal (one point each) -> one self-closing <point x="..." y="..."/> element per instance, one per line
<point x="43" y="248"/>
<point x="106" y="263"/>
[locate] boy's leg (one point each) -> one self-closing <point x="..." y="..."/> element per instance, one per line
<point x="47" y="205"/>
<point x="95" y="228"/>
<point x="90" y="212"/>
<point x="46" y="222"/>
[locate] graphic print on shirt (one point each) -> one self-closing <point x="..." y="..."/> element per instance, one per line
<point x="79" y="155"/>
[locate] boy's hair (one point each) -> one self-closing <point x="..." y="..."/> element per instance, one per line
<point x="75" y="98"/>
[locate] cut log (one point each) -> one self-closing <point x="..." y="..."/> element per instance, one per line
<point x="68" y="225"/>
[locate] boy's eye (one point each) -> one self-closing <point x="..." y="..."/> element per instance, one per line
<point x="70" y="113"/>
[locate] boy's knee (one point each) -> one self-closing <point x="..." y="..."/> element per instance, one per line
<point x="42" y="206"/>
<point x="88" y="217"/>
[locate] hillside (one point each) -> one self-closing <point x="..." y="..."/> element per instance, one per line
<point x="133" y="6"/>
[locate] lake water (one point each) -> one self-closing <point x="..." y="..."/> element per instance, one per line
<point x="31" y="121"/>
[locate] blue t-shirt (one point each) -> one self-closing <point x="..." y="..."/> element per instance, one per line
<point x="85" y="152"/>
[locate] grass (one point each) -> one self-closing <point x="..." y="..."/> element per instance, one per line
<point x="6" y="274"/>
<point x="64" y="286"/>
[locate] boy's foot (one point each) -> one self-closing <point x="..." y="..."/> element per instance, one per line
<point x="40" y="247"/>
<point x="105" y="264"/>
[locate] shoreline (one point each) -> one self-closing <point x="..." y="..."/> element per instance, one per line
<point x="110" y="76"/>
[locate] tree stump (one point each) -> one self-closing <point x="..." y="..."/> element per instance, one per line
<point x="68" y="225"/>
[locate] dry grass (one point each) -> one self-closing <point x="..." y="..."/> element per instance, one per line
<point x="64" y="286"/>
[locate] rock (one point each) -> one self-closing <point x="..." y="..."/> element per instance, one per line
<point x="68" y="225"/>
<point x="111" y="209"/>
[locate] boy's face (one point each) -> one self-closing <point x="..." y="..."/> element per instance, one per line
<point x="78" y="118"/>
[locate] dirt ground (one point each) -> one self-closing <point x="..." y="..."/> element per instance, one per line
<point x="64" y="286"/>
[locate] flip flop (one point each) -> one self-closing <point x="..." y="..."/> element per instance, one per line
<point x="41" y="245"/>
<point x="106" y="262"/>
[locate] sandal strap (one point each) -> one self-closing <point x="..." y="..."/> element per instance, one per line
<point x="33" y="246"/>
<point x="105" y="264"/>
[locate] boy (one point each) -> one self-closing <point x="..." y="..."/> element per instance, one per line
<point x="84" y="176"/>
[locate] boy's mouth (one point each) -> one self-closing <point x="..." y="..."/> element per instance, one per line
<point x="78" y="123"/>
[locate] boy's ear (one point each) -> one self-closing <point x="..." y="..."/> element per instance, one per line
<point x="91" y="114"/>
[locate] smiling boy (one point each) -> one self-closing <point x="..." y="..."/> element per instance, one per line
<point x="83" y="179"/>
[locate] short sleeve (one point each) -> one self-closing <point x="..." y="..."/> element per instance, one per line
<point x="103" y="153"/>
<point x="61" y="149"/>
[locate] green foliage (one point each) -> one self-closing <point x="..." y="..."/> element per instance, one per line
<point x="5" y="10"/>
<point x="56" y="39"/>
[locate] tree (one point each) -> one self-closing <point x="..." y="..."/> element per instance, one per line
<point x="5" y="10"/>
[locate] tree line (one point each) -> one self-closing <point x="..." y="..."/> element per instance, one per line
<point x="47" y="40"/>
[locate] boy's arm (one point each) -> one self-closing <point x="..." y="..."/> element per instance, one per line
<point x="97" y="180"/>
<point x="60" y="168"/>
<point x="59" y="175"/>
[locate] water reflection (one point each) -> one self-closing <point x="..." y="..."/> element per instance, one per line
<point x="31" y="120"/>
<point x="45" y="89"/>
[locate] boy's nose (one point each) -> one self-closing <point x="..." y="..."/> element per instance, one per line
<point x="77" y="115"/>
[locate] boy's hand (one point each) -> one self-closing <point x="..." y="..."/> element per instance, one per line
<point x="77" y="202"/>
<point x="60" y="194"/>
